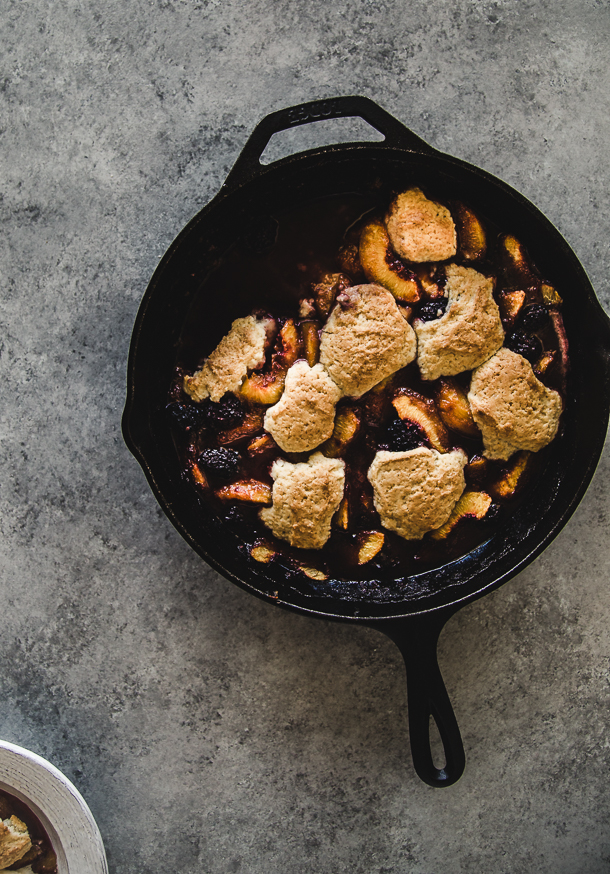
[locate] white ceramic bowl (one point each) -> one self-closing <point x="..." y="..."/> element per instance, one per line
<point x="58" y="805"/>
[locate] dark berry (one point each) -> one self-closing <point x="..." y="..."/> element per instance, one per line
<point x="222" y="462"/>
<point x="398" y="265"/>
<point x="402" y="436"/>
<point x="534" y="317"/>
<point x="432" y="309"/>
<point x="227" y="413"/>
<point x="524" y="344"/>
<point x="187" y="417"/>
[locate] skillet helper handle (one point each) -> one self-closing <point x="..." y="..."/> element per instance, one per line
<point x="427" y="697"/>
<point x="396" y="134"/>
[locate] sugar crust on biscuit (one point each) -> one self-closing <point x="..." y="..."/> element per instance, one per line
<point x="365" y="339"/>
<point x="468" y="333"/>
<point x="415" y="491"/>
<point x="305" y="414"/>
<point x="513" y="409"/>
<point x="420" y="229"/>
<point x="305" y="497"/>
<point x="239" y="351"/>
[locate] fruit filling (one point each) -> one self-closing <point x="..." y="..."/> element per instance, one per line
<point x="381" y="399"/>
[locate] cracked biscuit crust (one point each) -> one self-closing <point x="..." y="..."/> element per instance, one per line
<point x="239" y="351"/>
<point x="513" y="409"/>
<point x="365" y="339"/>
<point x="420" y="229"/>
<point x="305" y="414"/>
<point x="14" y="841"/>
<point x="467" y="334"/>
<point x="305" y="498"/>
<point x="415" y="491"/>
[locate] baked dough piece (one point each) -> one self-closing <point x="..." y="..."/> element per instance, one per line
<point x="420" y="229"/>
<point x="305" y="498"/>
<point x="365" y="339"/>
<point x="14" y="841"/>
<point x="239" y="351"/>
<point x="467" y="334"/>
<point x="513" y="409"/>
<point x="415" y="491"/>
<point x="305" y="414"/>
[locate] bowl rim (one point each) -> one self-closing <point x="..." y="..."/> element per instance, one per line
<point x="60" y="807"/>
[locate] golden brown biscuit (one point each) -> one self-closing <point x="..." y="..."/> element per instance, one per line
<point x="420" y="229"/>
<point x="467" y="334"/>
<point x="304" y="416"/>
<point x="513" y="409"/>
<point x="415" y="491"/>
<point x="365" y="339"/>
<point x="305" y="498"/>
<point x="14" y="841"/>
<point x="239" y="351"/>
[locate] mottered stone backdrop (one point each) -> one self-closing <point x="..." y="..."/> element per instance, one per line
<point x="210" y="732"/>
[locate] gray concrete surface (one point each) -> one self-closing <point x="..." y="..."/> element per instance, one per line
<point x="208" y="731"/>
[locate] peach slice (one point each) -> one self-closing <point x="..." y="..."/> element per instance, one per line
<point x="199" y="476"/>
<point x="347" y="424"/>
<point x="314" y="573"/>
<point x="326" y="290"/>
<point x="472" y="505"/>
<point x="262" y="444"/>
<point x="550" y="296"/>
<point x="342" y="514"/>
<point x="381" y="265"/>
<point x="413" y="407"/>
<point x="470" y="232"/>
<point x="476" y="468"/>
<point x="253" y="422"/>
<point x="510" y="303"/>
<point x="311" y="341"/>
<point x="454" y="408"/>
<point x="262" y="552"/>
<point x="512" y="478"/>
<point x="544" y="362"/>
<point x="251" y="490"/>
<point x="516" y="263"/>
<point x="370" y="544"/>
<point x="267" y="387"/>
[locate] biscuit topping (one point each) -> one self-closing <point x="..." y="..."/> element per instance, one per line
<point x="305" y="414"/>
<point x="420" y="229"/>
<point x="14" y="841"/>
<point x="305" y="498"/>
<point x="415" y="491"/>
<point x="241" y="350"/>
<point x="469" y="331"/>
<point x="365" y="339"/>
<point x="513" y="409"/>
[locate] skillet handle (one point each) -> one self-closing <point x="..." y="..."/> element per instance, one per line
<point x="396" y="134"/>
<point x="427" y="697"/>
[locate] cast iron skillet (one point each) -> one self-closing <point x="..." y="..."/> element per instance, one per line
<point x="413" y="611"/>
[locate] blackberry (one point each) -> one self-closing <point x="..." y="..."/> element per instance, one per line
<point x="227" y="413"/>
<point x="402" y="436"/>
<point x="432" y="309"/>
<point x="222" y="462"/>
<point x="524" y="344"/>
<point x="534" y="317"/>
<point x="187" y="417"/>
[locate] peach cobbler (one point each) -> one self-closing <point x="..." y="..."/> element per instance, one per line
<point x="388" y="398"/>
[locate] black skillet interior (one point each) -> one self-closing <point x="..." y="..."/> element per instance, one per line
<point x="251" y="194"/>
